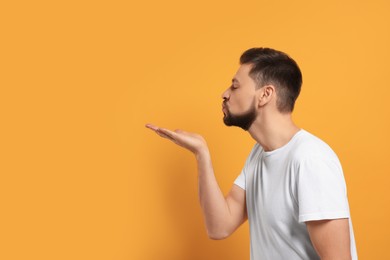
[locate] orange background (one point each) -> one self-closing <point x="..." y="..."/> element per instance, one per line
<point x="81" y="178"/>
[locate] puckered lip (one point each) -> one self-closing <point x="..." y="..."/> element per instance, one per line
<point x="224" y="109"/>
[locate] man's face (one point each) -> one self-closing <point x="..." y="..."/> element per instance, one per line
<point x="239" y="100"/>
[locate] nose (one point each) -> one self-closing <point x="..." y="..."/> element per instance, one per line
<point x="225" y="95"/>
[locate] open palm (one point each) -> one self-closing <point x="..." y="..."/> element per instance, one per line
<point x="191" y="141"/>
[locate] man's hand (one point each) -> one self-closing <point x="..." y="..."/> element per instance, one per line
<point x="192" y="142"/>
<point x="222" y="215"/>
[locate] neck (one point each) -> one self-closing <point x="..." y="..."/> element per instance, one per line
<point x="273" y="131"/>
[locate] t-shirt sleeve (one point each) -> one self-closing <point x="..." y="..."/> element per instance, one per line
<point x="321" y="189"/>
<point x="241" y="180"/>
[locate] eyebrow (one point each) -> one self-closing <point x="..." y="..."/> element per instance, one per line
<point x="235" y="80"/>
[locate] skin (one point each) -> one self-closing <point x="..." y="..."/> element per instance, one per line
<point x="272" y="130"/>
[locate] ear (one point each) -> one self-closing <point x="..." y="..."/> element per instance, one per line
<point x="266" y="94"/>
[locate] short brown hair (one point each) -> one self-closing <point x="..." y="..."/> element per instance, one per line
<point x="277" y="68"/>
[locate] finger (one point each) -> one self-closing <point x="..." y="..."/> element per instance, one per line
<point x="172" y="135"/>
<point x="153" y="127"/>
<point x="164" y="135"/>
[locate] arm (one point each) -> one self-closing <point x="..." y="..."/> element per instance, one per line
<point x="223" y="215"/>
<point x="330" y="238"/>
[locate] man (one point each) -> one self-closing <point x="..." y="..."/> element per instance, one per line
<point x="292" y="187"/>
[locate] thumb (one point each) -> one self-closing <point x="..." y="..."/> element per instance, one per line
<point x="179" y="131"/>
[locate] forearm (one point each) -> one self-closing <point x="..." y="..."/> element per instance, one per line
<point x="219" y="219"/>
<point x="213" y="203"/>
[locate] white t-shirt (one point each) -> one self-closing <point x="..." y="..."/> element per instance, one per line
<point x="300" y="181"/>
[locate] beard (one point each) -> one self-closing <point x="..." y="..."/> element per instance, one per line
<point x="244" y="120"/>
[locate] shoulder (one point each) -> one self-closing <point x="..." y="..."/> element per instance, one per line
<point x="316" y="163"/>
<point x="311" y="147"/>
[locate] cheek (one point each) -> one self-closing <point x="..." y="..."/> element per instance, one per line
<point x="241" y="104"/>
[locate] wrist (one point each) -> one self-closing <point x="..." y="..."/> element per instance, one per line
<point x="202" y="153"/>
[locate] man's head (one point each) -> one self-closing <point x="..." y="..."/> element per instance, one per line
<point x="262" y="72"/>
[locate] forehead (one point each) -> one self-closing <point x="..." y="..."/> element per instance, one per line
<point x="242" y="74"/>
